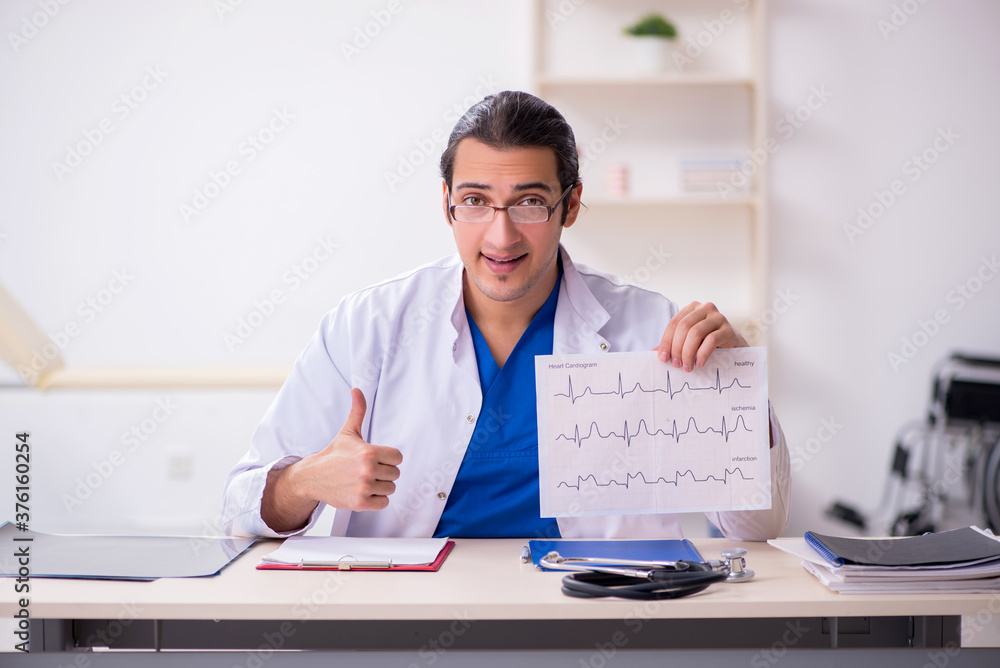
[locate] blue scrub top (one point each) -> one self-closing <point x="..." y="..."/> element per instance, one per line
<point x="495" y="494"/>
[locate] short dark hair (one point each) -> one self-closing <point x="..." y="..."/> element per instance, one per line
<point x="514" y="119"/>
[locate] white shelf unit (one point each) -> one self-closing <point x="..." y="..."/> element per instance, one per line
<point x="709" y="103"/>
<point x="702" y="79"/>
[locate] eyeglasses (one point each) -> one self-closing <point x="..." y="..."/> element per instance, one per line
<point x="518" y="213"/>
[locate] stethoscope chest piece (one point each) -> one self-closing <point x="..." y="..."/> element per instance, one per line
<point x="736" y="563"/>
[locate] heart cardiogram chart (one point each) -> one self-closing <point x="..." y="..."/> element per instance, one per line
<point x="624" y="433"/>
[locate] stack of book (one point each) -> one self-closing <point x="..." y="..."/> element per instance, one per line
<point x="965" y="560"/>
<point x="713" y="175"/>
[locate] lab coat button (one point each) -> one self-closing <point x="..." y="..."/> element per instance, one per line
<point x="470" y="418"/>
<point x="604" y="346"/>
<point x="442" y="496"/>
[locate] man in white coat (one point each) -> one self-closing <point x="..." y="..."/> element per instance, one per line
<point x="411" y="412"/>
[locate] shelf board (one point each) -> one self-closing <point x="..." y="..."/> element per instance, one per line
<point x="675" y="200"/>
<point x="158" y="378"/>
<point x="647" y="80"/>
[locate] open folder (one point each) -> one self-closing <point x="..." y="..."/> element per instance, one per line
<point x="358" y="554"/>
<point x="106" y="557"/>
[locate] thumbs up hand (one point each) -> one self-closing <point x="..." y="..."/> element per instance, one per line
<point x="349" y="473"/>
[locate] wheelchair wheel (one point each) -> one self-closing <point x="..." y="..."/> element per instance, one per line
<point x="991" y="487"/>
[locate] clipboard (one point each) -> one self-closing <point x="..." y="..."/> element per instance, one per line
<point x="668" y="549"/>
<point x="357" y="565"/>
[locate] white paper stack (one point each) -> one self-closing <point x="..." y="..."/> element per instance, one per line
<point x="334" y="550"/>
<point x="959" y="561"/>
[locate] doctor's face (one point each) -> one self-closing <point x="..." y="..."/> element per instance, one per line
<point x="507" y="261"/>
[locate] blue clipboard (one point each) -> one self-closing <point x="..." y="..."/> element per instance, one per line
<point x="613" y="550"/>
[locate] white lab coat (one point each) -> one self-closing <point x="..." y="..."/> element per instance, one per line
<point x="406" y="344"/>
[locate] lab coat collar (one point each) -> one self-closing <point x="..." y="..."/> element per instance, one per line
<point x="580" y="298"/>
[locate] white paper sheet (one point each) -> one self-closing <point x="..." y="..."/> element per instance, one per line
<point x="624" y="433"/>
<point x="907" y="586"/>
<point x="331" y="549"/>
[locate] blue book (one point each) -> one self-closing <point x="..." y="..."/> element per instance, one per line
<point x="614" y="550"/>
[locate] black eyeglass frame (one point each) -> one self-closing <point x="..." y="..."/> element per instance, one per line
<point x="550" y="209"/>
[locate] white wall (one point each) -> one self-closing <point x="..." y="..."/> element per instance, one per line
<point x="356" y="117"/>
<point x="324" y="176"/>
<point x="890" y="97"/>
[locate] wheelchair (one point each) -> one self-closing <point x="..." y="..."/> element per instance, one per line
<point x="945" y="469"/>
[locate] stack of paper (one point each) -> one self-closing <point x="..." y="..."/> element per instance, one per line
<point x="963" y="560"/>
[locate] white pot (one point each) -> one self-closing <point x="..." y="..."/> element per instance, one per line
<point x="652" y="54"/>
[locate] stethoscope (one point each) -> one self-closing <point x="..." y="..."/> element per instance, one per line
<point x="645" y="580"/>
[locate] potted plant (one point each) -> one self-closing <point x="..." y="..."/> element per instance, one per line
<point x="653" y="35"/>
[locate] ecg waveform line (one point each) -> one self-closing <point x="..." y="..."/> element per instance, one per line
<point x="642" y="477"/>
<point x="627" y="435"/>
<point x="668" y="390"/>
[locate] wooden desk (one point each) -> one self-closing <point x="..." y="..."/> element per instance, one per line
<point x="482" y="597"/>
